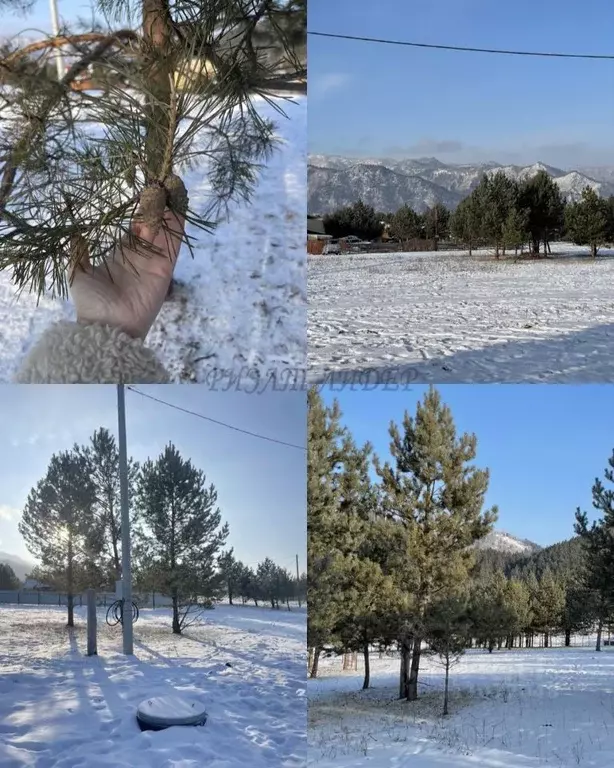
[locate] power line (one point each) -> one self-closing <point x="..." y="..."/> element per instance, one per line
<point x="464" y="48"/>
<point x="215" y="421"/>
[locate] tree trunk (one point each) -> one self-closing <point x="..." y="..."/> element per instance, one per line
<point x="309" y="659"/>
<point x="594" y="250"/>
<point x="445" y="690"/>
<point x="406" y="648"/>
<point x="567" y="638"/>
<point x="546" y="639"/>
<point x="367" y="677"/>
<point x="176" y="622"/>
<point x="412" y="685"/>
<point x="157" y="34"/>
<point x="313" y="672"/>
<point x="599" y="630"/>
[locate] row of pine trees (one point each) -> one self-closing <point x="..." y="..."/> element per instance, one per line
<point x="391" y="564"/>
<point x="500" y="212"/>
<point x="71" y="523"/>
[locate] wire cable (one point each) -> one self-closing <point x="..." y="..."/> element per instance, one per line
<point x="601" y="56"/>
<point x="216" y="421"/>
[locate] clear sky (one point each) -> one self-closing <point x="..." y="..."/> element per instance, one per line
<point x="260" y="484"/>
<point x="39" y="17"/>
<point x="544" y="444"/>
<point x="378" y="100"/>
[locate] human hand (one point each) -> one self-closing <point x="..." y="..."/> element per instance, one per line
<point x="128" y="292"/>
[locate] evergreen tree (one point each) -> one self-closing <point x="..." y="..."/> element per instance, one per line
<point x="466" y="221"/>
<point x="548" y="606"/>
<point x="587" y="221"/>
<point x="356" y="219"/>
<point x="447" y="629"/>
<point x="180" y="530"/>
<point x="499" y="198"/>
<point x="541" y="198"/>
<point x="514" y="232"/>
<point x="231" y="570"/>
<point x="101" y="457"/>
<point x="8" y="578"/>
<point x="56" y="520"/>
<point x="436" y="223"/>
<point x="598" y="541"/>
<point x="406" y="224"/>
<point x="323" y="458"/>
<point x="436" y="497"/>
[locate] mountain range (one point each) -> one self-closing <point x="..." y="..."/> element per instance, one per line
<point x="386" y="184"/>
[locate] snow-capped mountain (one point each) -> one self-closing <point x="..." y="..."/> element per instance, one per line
<point x="387" y="184"/>
<point x="505" y="542"/>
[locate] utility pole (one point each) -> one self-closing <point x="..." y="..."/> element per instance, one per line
<point x="55" y="27"/>
<point x="298" y="581"/>
<point x="125" y="515"/>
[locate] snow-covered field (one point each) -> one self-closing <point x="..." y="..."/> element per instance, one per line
<point x="59" y="707"/>
<point x="509" y="709"/>
<point x="241" y="302"/>
<point x="446" y="317"/>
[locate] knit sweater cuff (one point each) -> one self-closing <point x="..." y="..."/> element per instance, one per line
<point x="70" y="353"/>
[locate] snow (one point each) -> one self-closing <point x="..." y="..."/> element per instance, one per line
<point x="509" y="709"/>
<point x="62" y="709"/>
<point x="240" y="304"/>
<point x="448" y="317"/>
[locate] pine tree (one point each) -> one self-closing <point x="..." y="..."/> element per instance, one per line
<point x="598" y="541"/>
<point x="466" y="222"/>
<point x="101" y="456"/>
<point x="356" y="219"/>
<point x="231" y="570"/>
<point x="323" y="458"/>
<point x="587" y="221"/>
<point x="548" y="606"/>
<point x="541" y="198"/>
<point x="406" y="224"/>
<point x="436" y="497"/>
<point x="56" y="520"/>
<point x="436" y="223"/>
<point x="8" y="578"/>
<point x="180" y="531"/>
<point x="174" y="89"/>
<point x="447" y="629"/>
<point x="514" y="232"/>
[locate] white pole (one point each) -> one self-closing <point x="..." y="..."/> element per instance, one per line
<point x="55" y="27"/>
<point x="125" y="514"/>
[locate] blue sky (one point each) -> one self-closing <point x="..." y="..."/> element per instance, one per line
<point x="261" y="485"/>
<point x="378" y="100"/>
<point x="544" y="444"/>
<point x="39" y="18"/>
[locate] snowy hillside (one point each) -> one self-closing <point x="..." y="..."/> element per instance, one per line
<point x="505" y="542"/>
<point x="387" y="184"/>
<point x="18" y="564"/>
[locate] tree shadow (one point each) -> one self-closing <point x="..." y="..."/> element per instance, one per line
<point x="581" y="357"/>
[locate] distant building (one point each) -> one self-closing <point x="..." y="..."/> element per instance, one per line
<point x="35" y="585"/>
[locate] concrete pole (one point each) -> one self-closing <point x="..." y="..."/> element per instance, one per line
<point x="55" y="28"/>
<point x="125" y="513"/>
<point x="92" y="646"/>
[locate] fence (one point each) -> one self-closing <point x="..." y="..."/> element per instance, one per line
<point x="44" y="597"/>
